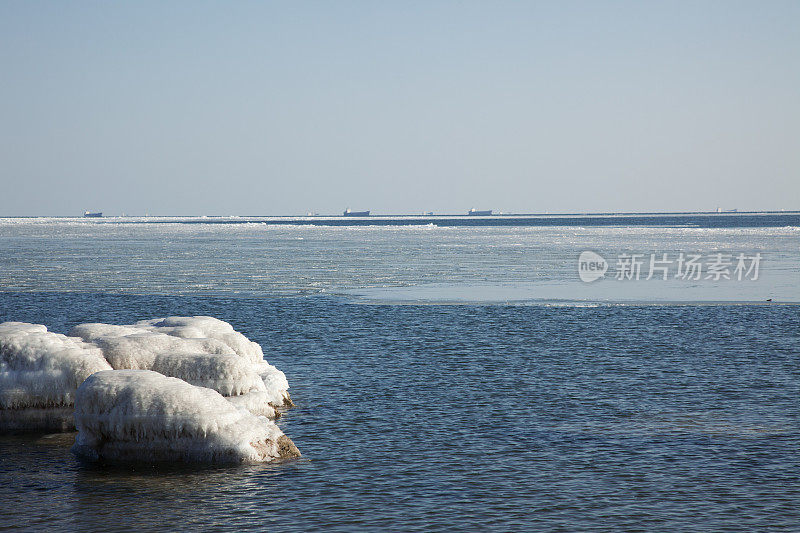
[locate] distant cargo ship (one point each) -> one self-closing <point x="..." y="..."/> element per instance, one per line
<point x="475" y="212"/>
<point x="350" y="213"/>
<point x="92" y="215"/>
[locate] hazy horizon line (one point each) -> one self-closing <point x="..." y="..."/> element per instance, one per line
<point x="423" y="214"/>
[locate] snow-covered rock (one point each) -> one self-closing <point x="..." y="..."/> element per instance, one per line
<point x="39" y="373"/>
<point x="144" y="416"/>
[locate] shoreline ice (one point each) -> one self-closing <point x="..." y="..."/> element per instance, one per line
<point x="176" y="388"/>
<point x="200" y="350"/>
<point x="141" y="415"/>
<point x="39" y="373"/>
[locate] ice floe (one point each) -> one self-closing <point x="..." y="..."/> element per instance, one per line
<point x="142" y="415"/>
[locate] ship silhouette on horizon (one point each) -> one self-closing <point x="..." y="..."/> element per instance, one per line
<point x="350" y="213"/>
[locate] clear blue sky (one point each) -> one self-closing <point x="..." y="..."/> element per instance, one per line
<point x="282" y="108"/>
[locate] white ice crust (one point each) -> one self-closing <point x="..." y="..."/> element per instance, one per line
<point x="200" y="327"/>
<point x="201" y="350"/>
<point x="145" y="416"/>
<point x="40" y="372"/>
<point x="207" y="327"/>
<point x="40" y="369"/>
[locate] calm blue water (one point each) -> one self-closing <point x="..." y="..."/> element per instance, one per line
<point x="425" y="416"/>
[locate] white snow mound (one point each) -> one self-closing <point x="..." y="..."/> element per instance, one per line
<point x="145" y="416"/>
<point x="39" y="373"/>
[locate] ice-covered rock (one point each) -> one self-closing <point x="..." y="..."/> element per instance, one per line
<point x="227" y="374"/>
<point x="201" y="350"/>
<point x="205" y="327"/>
<point x="39" y="373"/>
<point x="144" y="416"/>
<point x="134" y="348"/>
<point x="255" y="402"/>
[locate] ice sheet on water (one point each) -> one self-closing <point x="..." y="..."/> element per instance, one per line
<point x="145" y="416"/>
<point x="778" y="287"/>
<point x="176" y="258"/>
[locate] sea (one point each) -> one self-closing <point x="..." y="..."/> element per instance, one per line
<point x="531" y="373"/>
